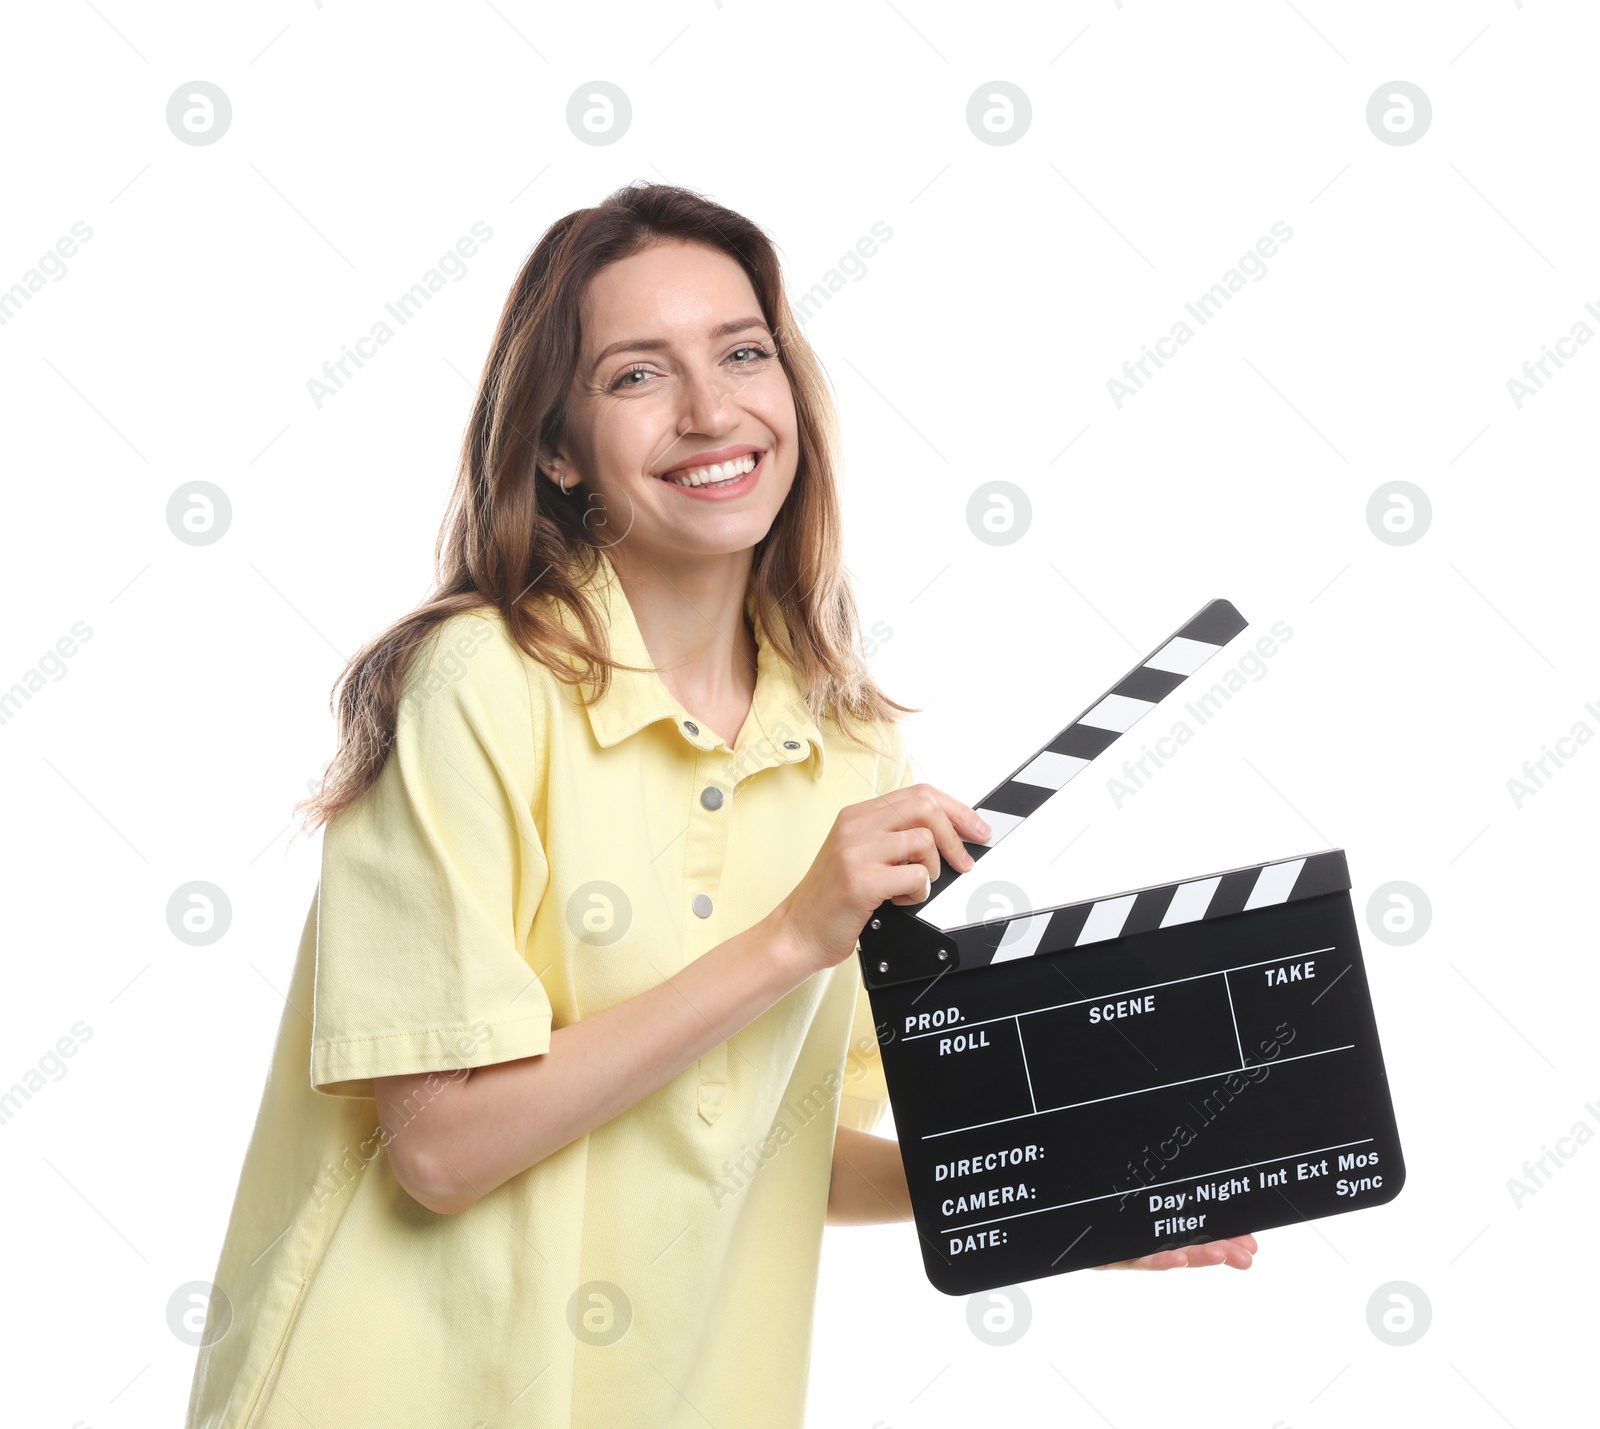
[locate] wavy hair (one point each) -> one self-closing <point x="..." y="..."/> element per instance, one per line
<point x="511" y="540"/>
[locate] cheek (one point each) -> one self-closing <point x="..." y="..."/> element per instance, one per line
<point x="625" y="438"/>
<point x="770" y="398"/>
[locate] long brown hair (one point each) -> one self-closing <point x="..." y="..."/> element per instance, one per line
<point x="510" y="538"/>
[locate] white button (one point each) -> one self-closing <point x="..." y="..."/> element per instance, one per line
<point x="701" y="906"/>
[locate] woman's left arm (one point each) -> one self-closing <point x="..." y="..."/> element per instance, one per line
<point x="869" y="1180"/>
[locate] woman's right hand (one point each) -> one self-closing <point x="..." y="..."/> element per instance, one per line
<point x="885" y="848"/>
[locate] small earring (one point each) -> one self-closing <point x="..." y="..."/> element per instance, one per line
<point x="563" y="480"/>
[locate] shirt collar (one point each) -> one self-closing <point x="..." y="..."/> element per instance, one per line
<point x="636" y="699"/>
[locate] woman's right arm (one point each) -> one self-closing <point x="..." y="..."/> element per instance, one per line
<point x="461" y="1141"/>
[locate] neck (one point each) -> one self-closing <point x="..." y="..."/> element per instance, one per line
<point x="691" y="616"/>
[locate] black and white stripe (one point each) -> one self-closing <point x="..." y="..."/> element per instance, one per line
<point x="1008" y="805"/>
<point x="898" y="946"/>
<point x="1145" y="910"/>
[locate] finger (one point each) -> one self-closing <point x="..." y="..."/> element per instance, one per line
<point x="1237" y="1257"/>
<point x="914" y="849"/>
<point x="916" y="880"/>
<point x="1237" y="1251"/>
<point x="925" y="806"/>
<point x="1209" y="1252"/>
<point x="933" y="815"/>
<point x="967" y="822"/>
<point x="1174" y="1259"/>
<point x="1221" y="1252"/>
<point x="1159" y="1260"/>
<point x="909" y="861"/>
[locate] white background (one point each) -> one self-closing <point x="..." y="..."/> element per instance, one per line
<point x="1165" y="140"/>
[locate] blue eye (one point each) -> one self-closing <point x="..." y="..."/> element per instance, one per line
<point x="621" y="380"/>
<point x="629" y="373"/>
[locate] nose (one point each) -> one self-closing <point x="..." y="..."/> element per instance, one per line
<point x="708" y="402"/>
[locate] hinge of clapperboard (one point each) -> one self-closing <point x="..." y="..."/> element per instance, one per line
<point x="897" y="945"/>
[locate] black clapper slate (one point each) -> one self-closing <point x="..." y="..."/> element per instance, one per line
<point x="1109" y="1078"/>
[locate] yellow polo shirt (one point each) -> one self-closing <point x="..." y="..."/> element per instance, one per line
<point x="523" y="862"/>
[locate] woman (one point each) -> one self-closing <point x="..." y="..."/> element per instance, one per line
<point x="590" y="1060"/>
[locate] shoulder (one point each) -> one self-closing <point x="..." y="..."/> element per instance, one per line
<point x="469" y="670"/>
<point x="899" y="761"/>
<point x="875" y="745"/>
<point x="894" y="731"/>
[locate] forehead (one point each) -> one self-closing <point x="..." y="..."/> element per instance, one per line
<point x="677" y="291"/>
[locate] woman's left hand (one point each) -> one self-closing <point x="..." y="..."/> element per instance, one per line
<point x="1239" y="1252"/>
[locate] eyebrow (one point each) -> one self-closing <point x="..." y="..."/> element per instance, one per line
<point x="655" y="344"/>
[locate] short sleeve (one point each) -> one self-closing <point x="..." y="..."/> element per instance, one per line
<point x="866" y="1092"/>
<point x="865" y="1097"/>
<point x="431" y="880"/>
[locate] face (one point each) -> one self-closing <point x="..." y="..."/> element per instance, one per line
<point x="678" y="371"/>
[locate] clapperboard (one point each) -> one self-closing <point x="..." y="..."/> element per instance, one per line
<point x="1105" y="1079"/>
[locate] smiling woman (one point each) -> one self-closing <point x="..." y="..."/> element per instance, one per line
<point x="607" y="815"/>
<point x="605" y="818"/>
<point x="694" y="440"/>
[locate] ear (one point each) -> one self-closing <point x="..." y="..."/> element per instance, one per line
<point x="555" y="468"/>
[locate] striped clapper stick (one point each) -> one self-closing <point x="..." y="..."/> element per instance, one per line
<point x="1129" y="1074"/>
<point x="1047" y="770"/>
<point x="1114" y="713"/>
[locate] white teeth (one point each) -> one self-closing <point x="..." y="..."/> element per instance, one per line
<point x="717" y="472"/>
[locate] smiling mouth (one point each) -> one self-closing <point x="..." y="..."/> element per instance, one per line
<point x="723" y="473"/>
